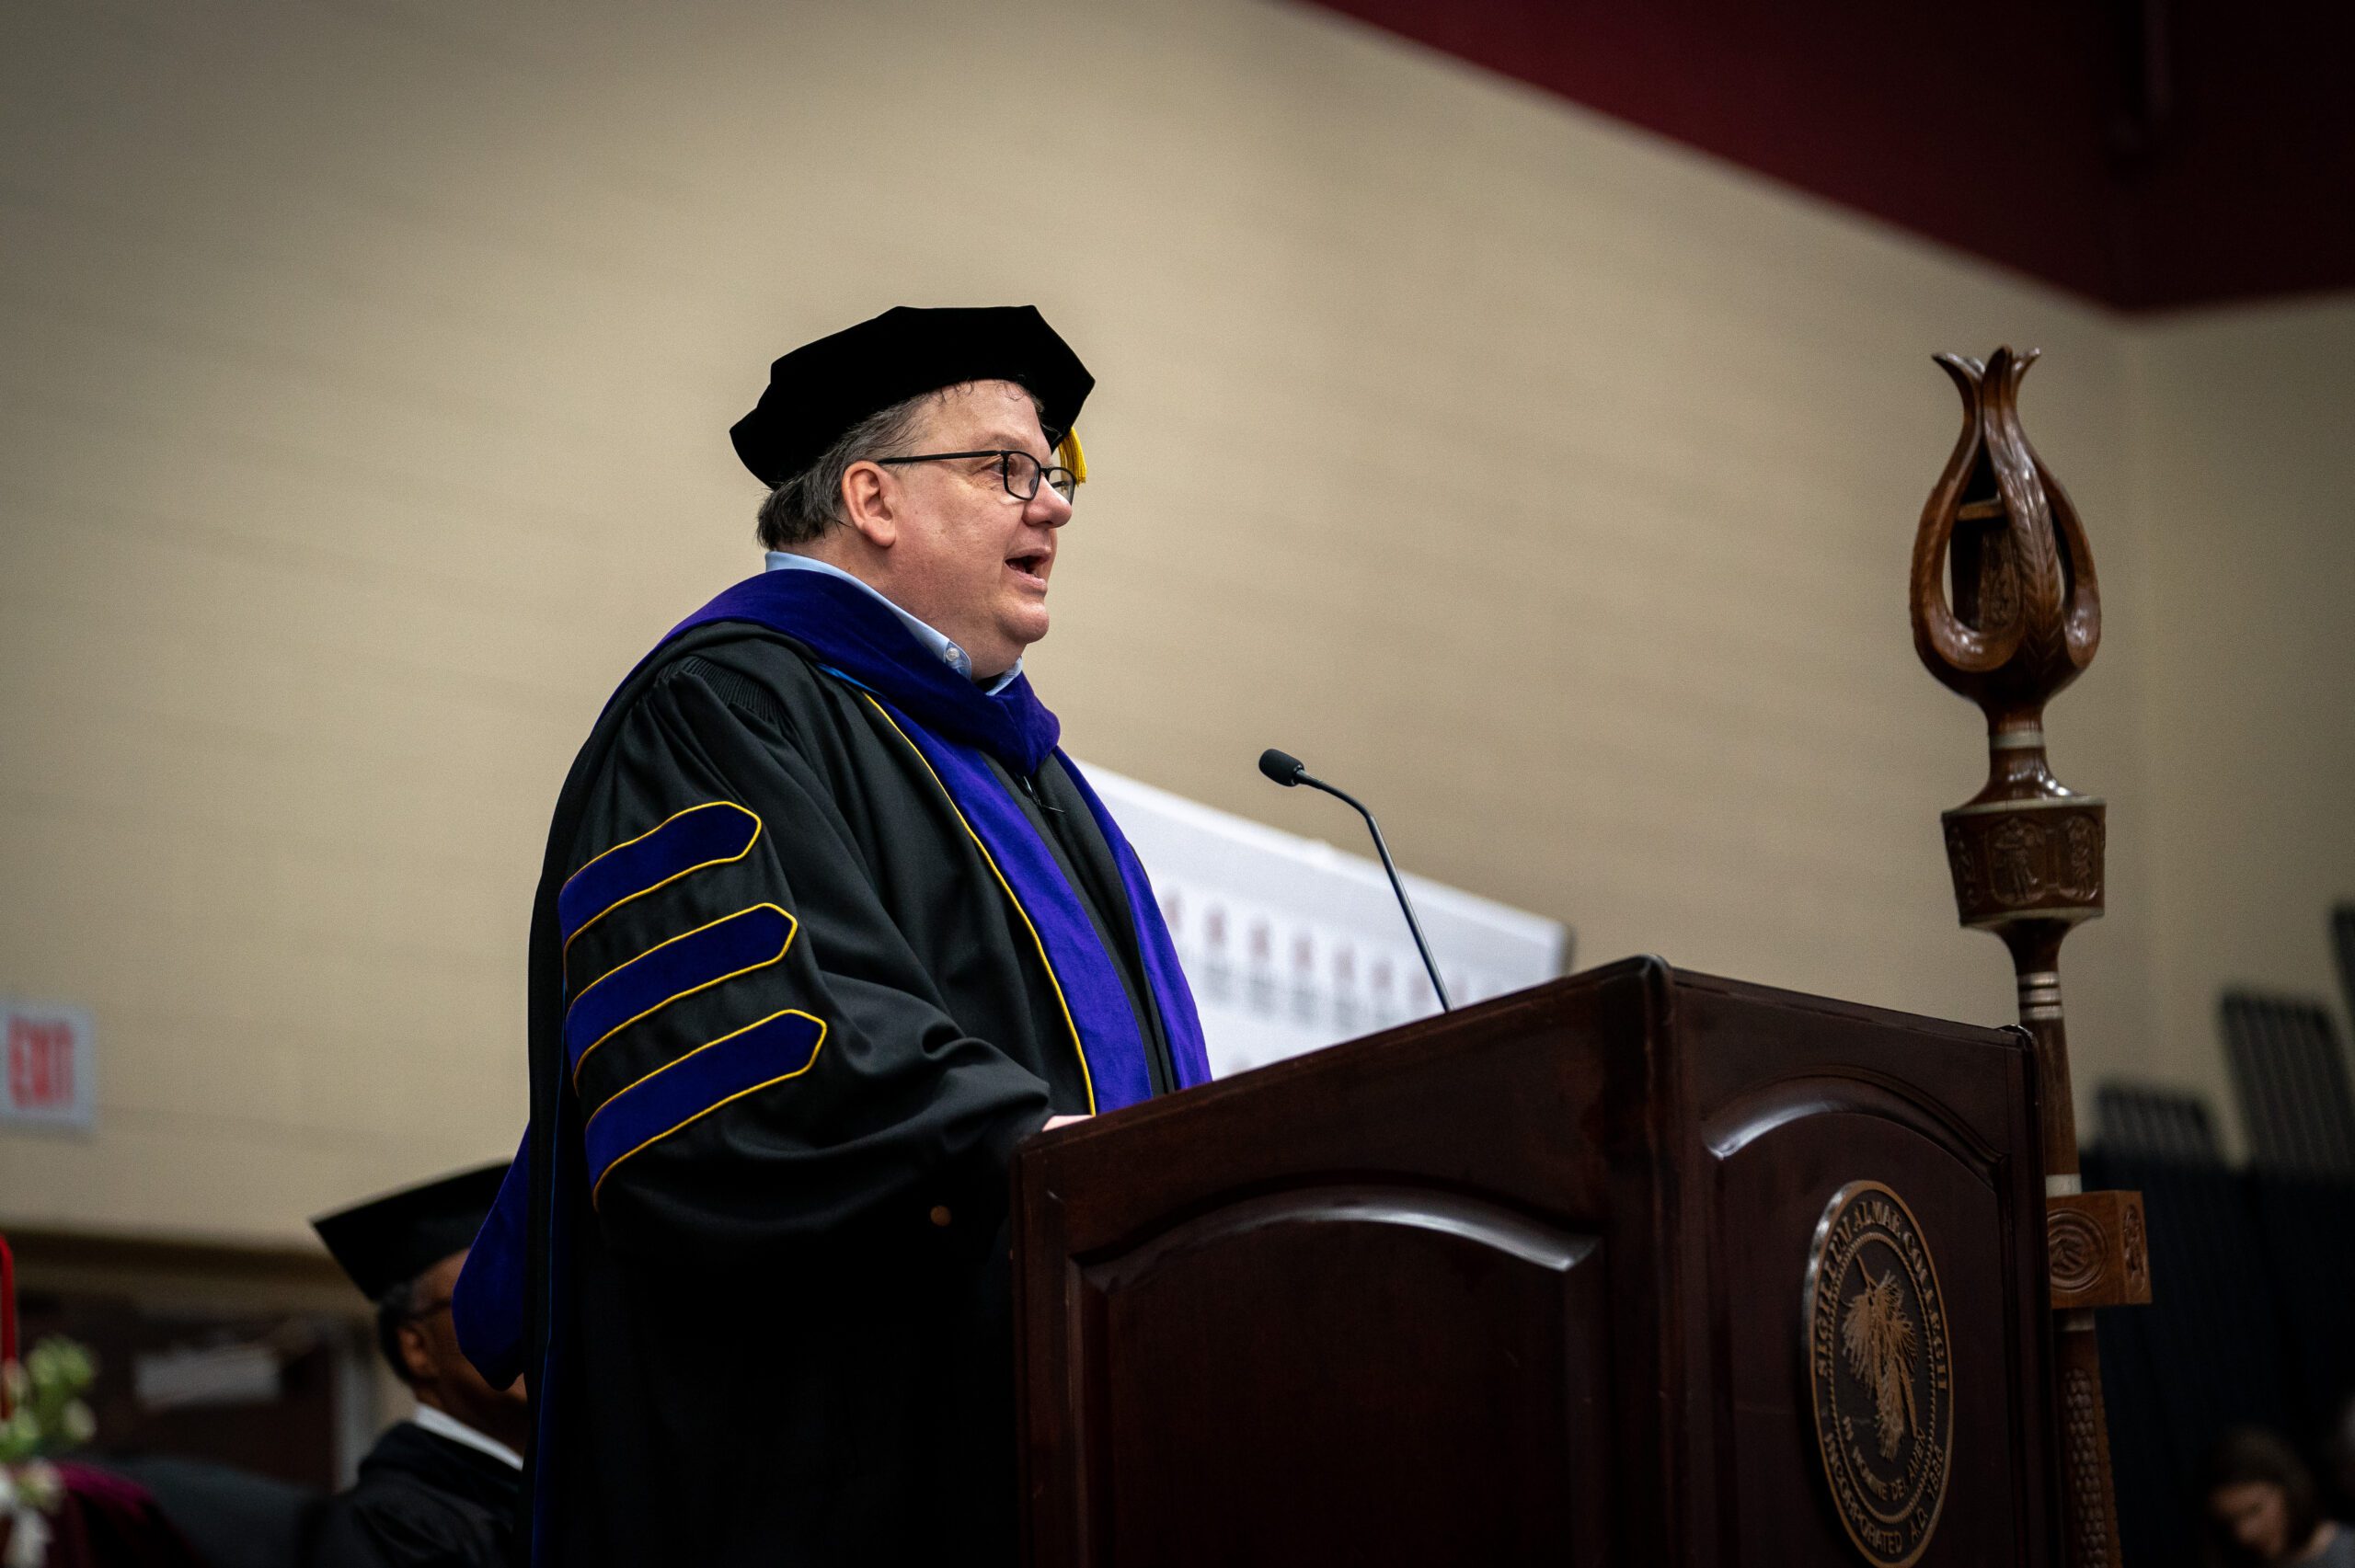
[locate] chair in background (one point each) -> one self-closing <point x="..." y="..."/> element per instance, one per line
<point x="2291" y="1080"/>
<point x="2291" y="1075"/>
<point x="2203" y="1354"/>
<point x="2155" y="1123"/>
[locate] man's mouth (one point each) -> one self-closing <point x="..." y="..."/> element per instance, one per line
<point x="1032" y="565"/>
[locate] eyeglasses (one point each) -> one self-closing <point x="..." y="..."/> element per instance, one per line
<point x="1019" y="471"/>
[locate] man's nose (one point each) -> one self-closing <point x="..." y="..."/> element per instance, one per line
<point x="1047" y="507"/>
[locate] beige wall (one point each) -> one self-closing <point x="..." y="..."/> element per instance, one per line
<point x="364" y="420"/>
<point x="2243" y="464"/>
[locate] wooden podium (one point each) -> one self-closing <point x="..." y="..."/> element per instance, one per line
<point x="1635" y="1267"/>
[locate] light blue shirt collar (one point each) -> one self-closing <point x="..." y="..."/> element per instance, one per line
<point x="949" y="653"/>
<point x="443" y="1424"/>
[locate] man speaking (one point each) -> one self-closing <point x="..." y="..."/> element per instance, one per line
<point x="827" y="926"/>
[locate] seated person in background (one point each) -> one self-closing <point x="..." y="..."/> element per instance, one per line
<point x="441" y="1487"/>
<point x="2261" y="1506"/>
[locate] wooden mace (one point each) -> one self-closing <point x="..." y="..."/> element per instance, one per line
<point x="2026" y="852"/>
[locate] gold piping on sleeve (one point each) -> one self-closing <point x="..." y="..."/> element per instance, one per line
<point x="642" y="892"/>
<point x="613" y="1163"/>
<point x="792" y="927"/>
<point x="1087" y="1079"/>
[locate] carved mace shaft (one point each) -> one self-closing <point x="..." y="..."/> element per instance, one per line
<point x="2023" y="621"/>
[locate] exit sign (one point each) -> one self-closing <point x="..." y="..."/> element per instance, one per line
<point x="49" y="1074"/>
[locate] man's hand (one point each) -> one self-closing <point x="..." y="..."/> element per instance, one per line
<point x="1054" y="1122"/>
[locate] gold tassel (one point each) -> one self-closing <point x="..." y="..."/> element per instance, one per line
<point x="1070" y="455"/>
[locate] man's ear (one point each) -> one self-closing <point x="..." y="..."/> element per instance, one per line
<point x="870" y="497"/>
<point x="415" y="1355"/>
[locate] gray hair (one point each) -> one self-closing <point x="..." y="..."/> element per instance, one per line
<point x="810" y="503"/>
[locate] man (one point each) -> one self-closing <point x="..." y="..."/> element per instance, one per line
<point x="440" y="1488"/>
<point x="827" y="926"/>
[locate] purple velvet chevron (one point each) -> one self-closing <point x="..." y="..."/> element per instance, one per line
<point x="711" y="834"/>
<point x="749" y="939"/>
<point x="779" y="1046"/>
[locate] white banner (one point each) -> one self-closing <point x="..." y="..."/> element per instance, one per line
<point x="1291" y="944"/>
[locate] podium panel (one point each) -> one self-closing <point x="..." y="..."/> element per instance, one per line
<point x="1286" y="1294"/>
<point x="1787" y="1121"/>
<point x="1637" y="1266"/>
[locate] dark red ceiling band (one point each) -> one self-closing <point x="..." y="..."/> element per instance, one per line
<point x="2147" y="154"/>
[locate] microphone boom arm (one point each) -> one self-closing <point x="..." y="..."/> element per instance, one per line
<point x="1406" y="905"/>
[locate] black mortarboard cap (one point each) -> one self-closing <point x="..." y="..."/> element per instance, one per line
<point x="391" y="1240"/>
<point x="822" y="389"/>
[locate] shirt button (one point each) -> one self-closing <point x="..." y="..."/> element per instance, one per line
<point x="940" y="1215"/>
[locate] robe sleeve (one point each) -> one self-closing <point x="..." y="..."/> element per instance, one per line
<point x="759" y="1056"/>
<point x="487" y="1309"/>
<point x="399" y="1527"/>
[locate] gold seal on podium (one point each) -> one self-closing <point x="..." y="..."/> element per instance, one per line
<point x="1879" y="1372"/>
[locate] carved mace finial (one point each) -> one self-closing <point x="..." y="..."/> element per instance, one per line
<point x="2026" y="617"/>
<point x="2023" y="620"/>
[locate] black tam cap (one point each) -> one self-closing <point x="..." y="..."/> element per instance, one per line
<point x="822" y="389"/>
<point x="391" y="1240"/>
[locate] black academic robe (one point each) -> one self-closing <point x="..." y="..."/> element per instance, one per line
<point x="422" y="1502"/>
<point x="778" y="1330"/>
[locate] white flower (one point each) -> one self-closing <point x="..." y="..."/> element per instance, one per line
<point x="29" y="1542"/>
<point x="78" y="1424"/>
<point x="41" y="1485"/>
<point x="74" y="1361"/>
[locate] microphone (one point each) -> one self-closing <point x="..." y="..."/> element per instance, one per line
<point x="1289" y="770"/>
